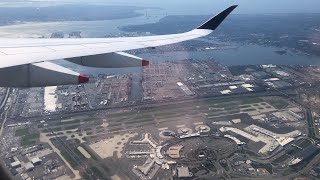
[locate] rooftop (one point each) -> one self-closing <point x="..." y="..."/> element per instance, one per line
<point x="183" y="172"/>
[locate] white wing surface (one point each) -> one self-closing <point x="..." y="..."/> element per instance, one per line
<point x="24" y="55"/>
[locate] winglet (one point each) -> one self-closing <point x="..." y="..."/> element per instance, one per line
<point x="214" y="22"/>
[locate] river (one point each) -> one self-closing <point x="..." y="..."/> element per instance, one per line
<point x="243" y="55"/>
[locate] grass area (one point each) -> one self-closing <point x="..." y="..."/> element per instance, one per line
<point x="245" y="106"/>
<point x="105" y="168"/>
<point x="57" y="129"/>
<point x="139" y="120"/>
<point x="238" y="101"/>
<point x="288" y="171"/>
<point x="174" y="110"/>
<point x="229" y="108"/>
<point x="268" y="167"/>
<point x="40" y="126"/>
<point x="305" y="143"/>
<point x="33" y="136"/>
<point x="27" y="142"/>
<point x="281" y="159"/>
<point x="248" y="110"/>
<point x="148" y="123"/>
<point x="114" y="124"/>
<point x="225" y="166"/>
<point x="22" y="132"/>
<point x="121" y="114"/>
<point x="115" y="129"/>
<point x="93" y="155"/>
<point x="246" y="151"/>
<point x="224" y="105"/>
<point x="278" y="103"/>
<point x="171" y="115"/>
<point x="239" y="70"/>
<point x="97" y="172"/>
<point x="292" y="151"/>
<point x="65" y="123"/>
<point x="72" y="127"/>
<point x="29" y="139"/>
<point x="250" y="100"/>
<point x="68" y="158"/>
<point x="222" y="113"/>
<point x="71" y="122"/>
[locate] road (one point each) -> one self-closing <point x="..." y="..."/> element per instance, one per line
<point x="311" y="128"/>
<point x="5" y="98"/>
<point x="4" y="112"/>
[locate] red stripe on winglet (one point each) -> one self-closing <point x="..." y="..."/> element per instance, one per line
<point x="83" y="78"/>
<point x="145" y="62"/>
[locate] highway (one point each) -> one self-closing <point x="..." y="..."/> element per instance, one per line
<point x="4" y="113"/>
<point x="5" y="98"/>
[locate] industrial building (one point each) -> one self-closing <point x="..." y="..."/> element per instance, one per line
<point x="16" y="164"/>
<point x="29" y="166"/>
<point x="185" y="89"/>
<point x="183" y="172"/>
<point x="174" y="151"/>
<point x="36" y="161"/>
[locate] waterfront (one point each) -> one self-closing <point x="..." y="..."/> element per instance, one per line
<point x="243" y="54"/>
<point x="91" y="29"/>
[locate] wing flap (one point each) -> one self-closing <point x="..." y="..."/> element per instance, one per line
<point x="39" y="75"/>
<point x="110" y="60"/>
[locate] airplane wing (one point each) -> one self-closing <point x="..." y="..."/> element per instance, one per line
<point x="26" y="62"/>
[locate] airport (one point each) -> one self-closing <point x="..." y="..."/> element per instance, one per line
<point x="186" y="114"/>
<point x="242" y="133"/>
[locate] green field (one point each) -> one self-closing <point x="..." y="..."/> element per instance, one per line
<point x="278" y="103"/>
<point x="57" y="129"/>
<point x="292" y="151"/>
<point x="305" y="143"/>
<point x="93" y="155"/>
<point x="211" y="106"/>
<point x="72" y="127"/>
<point x="248" y="110"/>
<point x="281" y="159"/>
<point x="239" y="70"/>
<point x="22" y="132"/>
<point x="65" y="123"/>
<point x="29" y="139"/>
<point x="268" y="167"/>
<point x="68" y="158"/>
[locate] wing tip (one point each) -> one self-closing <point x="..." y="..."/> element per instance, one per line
<point x="82" y="79"/>
<point x="215" y="21"/>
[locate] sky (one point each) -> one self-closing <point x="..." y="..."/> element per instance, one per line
<point x="185" y="7"/>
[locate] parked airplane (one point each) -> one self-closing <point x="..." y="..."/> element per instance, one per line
<point x="26" y="62"/>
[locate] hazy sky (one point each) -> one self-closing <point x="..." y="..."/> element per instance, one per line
<point x="202" y="6"/>
<point x="245" y="6"/>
